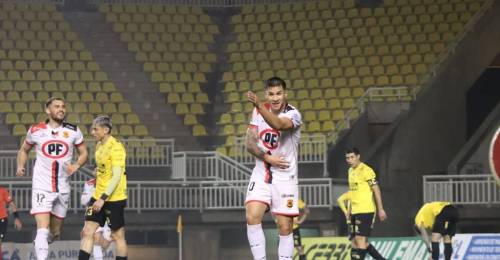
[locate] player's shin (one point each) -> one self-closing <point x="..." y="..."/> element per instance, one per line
<point x="257" y="241"/>
<point x="285" y="247"/>
<point x="448" y="251"/>
<point x="435" y="250"/>
<point x="41" y="243"/>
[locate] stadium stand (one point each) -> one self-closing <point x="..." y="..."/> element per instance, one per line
<point x="42" y="57"/>
<point x="173" y="45"/>
<point x="333" y="51"/>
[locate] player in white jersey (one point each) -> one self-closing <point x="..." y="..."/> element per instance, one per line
<point x="54" y="141"/>
<point x="273" y="138"/>
<point x="102" y="236"/>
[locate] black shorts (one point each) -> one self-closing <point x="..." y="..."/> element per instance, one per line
<point x="297" y="241"/>
<point x="362" y="224"/>
<point x="446" y="221"/>
<point x="3" y="227"/>
<point x="112" y="211"/>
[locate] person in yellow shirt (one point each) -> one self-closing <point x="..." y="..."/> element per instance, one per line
<point x="440" y="218"/>
<point x="344" y="202"/>
<point x="297" y="221"/>
<point x="110" y="196"/>
<point x="366" y="198"/>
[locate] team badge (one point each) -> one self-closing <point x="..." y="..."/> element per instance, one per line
<point x="65" y="134"/>
<point x="289" y="203"/>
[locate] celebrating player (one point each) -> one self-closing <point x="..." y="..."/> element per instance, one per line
<point x="54" y="141"/>
<point x="273" y="139"/>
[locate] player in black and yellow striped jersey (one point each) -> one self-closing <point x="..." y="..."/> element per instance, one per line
<point x="366" y="199"/>
<point x="110" y="197"/>
<point x="440" y="218"/>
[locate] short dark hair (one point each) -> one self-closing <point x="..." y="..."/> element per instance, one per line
<point x="275" y="81"/>
<point x="353" y="150"/>
<point x="52" y="99"/>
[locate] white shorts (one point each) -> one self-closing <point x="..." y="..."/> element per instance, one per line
<point x="282" y="197"/>
<point x="49" y="202"/>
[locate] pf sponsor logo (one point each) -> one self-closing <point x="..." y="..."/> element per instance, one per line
<point x="270" y="138"/>
<point x="55" y="149"/>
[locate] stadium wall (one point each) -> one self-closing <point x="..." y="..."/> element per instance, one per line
<point x="425" y="139"/>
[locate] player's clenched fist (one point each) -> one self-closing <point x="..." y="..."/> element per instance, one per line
<point x="21" y="171"/>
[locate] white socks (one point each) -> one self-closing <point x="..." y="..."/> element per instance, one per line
<point x="41" y="244"/>
<point x="285" y="248"/>
<point x="97" y="253"/>
<point x="257" y="241"/>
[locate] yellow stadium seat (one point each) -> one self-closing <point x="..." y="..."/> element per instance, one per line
<point x="19" y="130"/>
<point x="190" y="120"/>
<point x="199" y="130"/>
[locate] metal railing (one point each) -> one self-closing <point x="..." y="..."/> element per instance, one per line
<point x="140" y="153"/>
<point x="461" y="189"/>
<point x="312" y="149"/>
<point x="189" y="195"/>
<point x="207" y="166"/>
<point x="143" y="152"/>
<point x="371" y="94"/>
<point x="207" y="3"/>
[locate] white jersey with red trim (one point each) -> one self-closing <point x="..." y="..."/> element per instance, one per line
<point x="280" y="143"/>
<point x="54" y="151"/>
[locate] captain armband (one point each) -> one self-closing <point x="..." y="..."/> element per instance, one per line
<point x="372" y="182"/>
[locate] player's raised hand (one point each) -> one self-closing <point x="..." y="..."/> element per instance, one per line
<point x="21" y="171"/>
<point x="382" y="215"/>
<point x="72" y="168"/>
<point x="277" y="161"/>
<point x="253" y="98"/>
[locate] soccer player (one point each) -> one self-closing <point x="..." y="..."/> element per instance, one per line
<point x="366" y="198"/>
<point x="54" y="141"/>
<point x="110" y="196"/>
<point x="102" y="236"/>
<point x="344" y="202"/>
<point x="440" y="218"/>
<point x="7" y="201"/>
<point x="273" y="139"/>
<point x="297" y="221"/>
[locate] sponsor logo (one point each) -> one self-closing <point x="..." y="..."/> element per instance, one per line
<point x="270" y="138"/>
<point x="55" y="149"/>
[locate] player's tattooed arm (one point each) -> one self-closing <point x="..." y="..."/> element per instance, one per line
<point x="252" y="140"/>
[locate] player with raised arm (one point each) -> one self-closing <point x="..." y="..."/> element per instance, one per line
<point x="54" y="141"/>
<point x="273" y="138"/>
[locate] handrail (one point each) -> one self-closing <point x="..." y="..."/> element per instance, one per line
<point x="204" y="3"/>
<point x="359" y="107"/>
<point x="461" y="189"/>
<point x="186" y="195"/>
